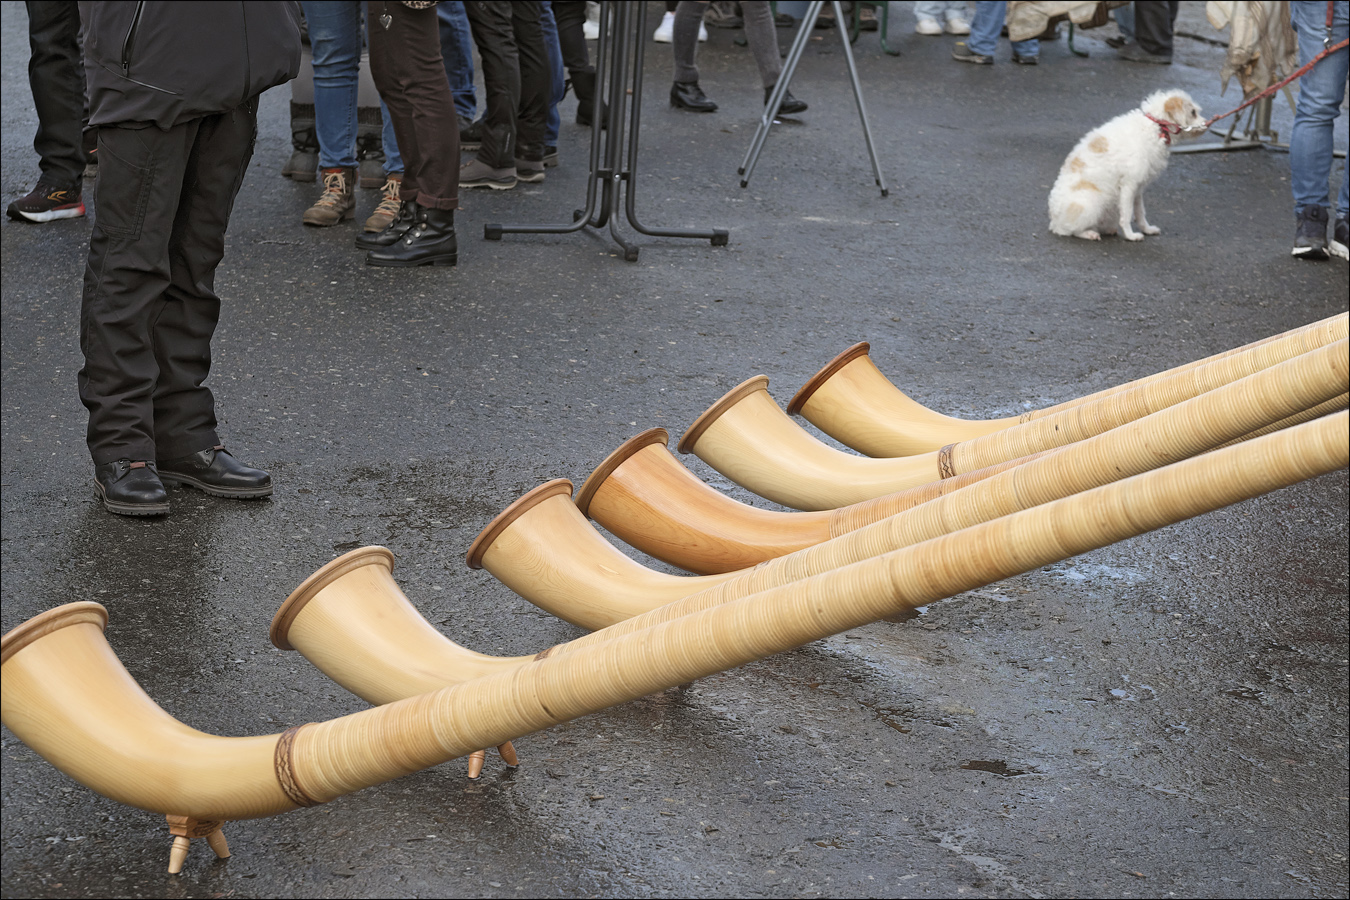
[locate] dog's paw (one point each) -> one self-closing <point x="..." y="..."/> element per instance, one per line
<point x="1089" y="235"/>
<point x="1152" y="229"/>
<point x="1132" y="236"/>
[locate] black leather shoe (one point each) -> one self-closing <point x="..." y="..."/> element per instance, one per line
<point x="217" y="473"/>
<point x="688" y="95"/>
<point x="790" y="104"/>
<point x="131" y="488"/>
<point x="431" y="242"/>
<point x="408" y="212"/>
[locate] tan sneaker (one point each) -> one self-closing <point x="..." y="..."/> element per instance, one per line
<point x="338" y="200"/>
<point x="388" y="209"/>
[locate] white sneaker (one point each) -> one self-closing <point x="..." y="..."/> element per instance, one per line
<point x="702" y="32"/>
<point x="591" y="30"/>
<point x="665" y="32"/>
<point x="957" y="25"/>
<point x="928" y="25"/>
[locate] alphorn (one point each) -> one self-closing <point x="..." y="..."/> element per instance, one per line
<point x="747" y="438"/>
<point x="854" y="403"/>
<point x="544" y="549"/>
<point x="64" y="693"/>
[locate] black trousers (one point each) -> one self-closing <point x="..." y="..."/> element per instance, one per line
<point x="163" y="202"/>
<point x="571" y="18"/>
<point x="1153" y="22"/>
<point x="515" y="74"/>
<point x="56" y="76"/>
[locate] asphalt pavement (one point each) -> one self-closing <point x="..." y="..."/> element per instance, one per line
<point x="1167" y="716"/>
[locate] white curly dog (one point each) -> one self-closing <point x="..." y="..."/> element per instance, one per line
<point x="1101" y="185"/>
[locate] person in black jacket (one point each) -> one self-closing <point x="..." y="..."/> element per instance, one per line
<point x="173" y="90"/>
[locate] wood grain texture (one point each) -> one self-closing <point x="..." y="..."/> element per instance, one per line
<point x="853" y="402"/>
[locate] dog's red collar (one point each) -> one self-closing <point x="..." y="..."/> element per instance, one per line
<point x="1165" y="129"/>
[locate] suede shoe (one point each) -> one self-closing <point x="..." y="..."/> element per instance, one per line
<point x="337" y="203"/>
<point x="790" y="105"/>
<point x="217" y="473"/>
<point x="131" y="488"/>
<point x="1310" y="233"/>
<point x="477" y="174"/>
<point x="688" y="95"/>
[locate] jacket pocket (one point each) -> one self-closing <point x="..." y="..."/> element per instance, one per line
<point x="122" y="192"/>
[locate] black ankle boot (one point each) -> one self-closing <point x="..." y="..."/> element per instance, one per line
<point x="408" y="212"/>
<point x="583" y="85"/>
<point x="430" y="242"/>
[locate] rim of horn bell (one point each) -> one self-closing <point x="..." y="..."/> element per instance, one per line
<point x="310" y="587"/>
<point x="714" y="412"/>
<point x="799" y="399"/>
<point x="629" y="447"/>
<point x="45" y="623"/>
<point x="504" y="518"/>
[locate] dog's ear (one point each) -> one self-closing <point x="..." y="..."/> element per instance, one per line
<point x="1174" y="108"/>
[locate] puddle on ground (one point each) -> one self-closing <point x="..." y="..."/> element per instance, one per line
<point x="995" y="766"/>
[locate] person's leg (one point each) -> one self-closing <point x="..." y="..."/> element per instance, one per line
<point x="1153" y="26"/>
<point x="185" y="418"/>
<point x="1028" y="49"/>
<point x="138" y="191"/>
<point x="557" y="76"/>
<point x="335" y="40"/>
<point x="928" y="15"/>
<point x="570" y="16"/>
<point x="393" y="160"/>
<point x="984" y="30"/>
<point x="763" y="40"/>
<point x="56" y="76"/>
<point x="1312" y="139"/>
<point x="492" y="32"/>
<point x="688" y="16"/>
<point x="457" y="53"/>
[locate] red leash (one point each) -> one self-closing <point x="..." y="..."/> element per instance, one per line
<point x="1275" y="87"/>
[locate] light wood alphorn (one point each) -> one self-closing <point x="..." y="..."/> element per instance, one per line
<point x="64" y="693"/>
<point x="747" y="438"/>
<point x="854" y="403"/>
<point x="541" y="562"/>
<point x="542" y="547"/>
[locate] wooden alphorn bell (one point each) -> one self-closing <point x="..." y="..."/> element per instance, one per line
<point x="65" y="694"/>
<point x="544" y="549"/>
<point x="747" y="438"/>
<point x="853" y="402"/>
<point x="351" y="619"/>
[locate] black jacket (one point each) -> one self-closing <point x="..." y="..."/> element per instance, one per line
<point x="170" y="61"/>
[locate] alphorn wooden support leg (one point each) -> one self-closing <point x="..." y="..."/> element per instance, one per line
<point x="477" y="758"/>
<point x="184" y="829"/>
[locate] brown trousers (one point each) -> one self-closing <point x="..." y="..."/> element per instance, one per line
<point x="409" y="72"/>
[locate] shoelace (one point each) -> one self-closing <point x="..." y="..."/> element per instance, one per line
<point x="334" y="190"/>
<point x="389" y="203"/>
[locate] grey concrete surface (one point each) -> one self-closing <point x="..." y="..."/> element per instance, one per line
<point x="1165" y="717"/>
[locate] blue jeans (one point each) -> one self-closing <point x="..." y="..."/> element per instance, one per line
<point x="988" y="23"/>
<point x="549" y="26"/>
<point x="335" y="39"/>
<point x="457" y="51"/>
<point x="1319" y="103"/>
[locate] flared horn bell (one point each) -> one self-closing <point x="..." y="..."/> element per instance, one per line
<point x="645" y="497"/>
<point x="352" y="620"/>
<point x="747" y="438"/>
<point x="64" y="693"/>
<point x="854" y="403"/>
<point x="543" y="548"/>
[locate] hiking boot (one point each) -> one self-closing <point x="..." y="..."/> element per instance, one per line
<point x="963" y="53"/>
<point x="1310" y="235"/>
<point x="304" y="143"/>
<point x="46" y="203"/>
<point x="530" y="171"/>
<point x="1340" y="242"/>
<point x="430" y="242"/>
<point x="475" y="173"/>
<point x="388" y="207"/>
<point x="408" y="214"/>
<point x="338" y="201"/>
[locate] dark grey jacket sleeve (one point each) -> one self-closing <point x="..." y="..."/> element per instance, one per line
<point x="165" y="62"/>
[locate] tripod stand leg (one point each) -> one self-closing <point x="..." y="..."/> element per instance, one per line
<point x="776" y="95"/>
<point x="862" y="109"/>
